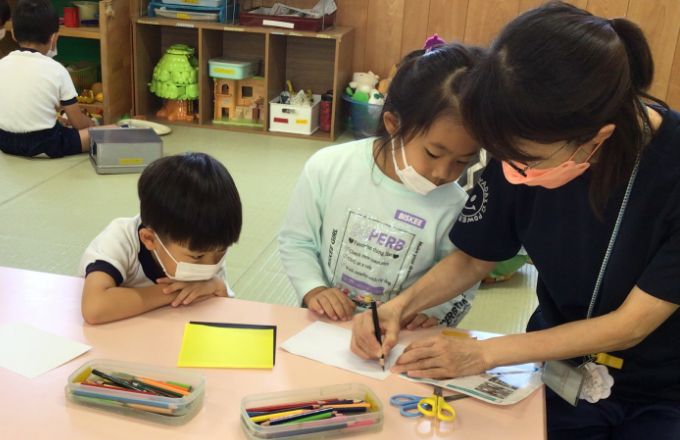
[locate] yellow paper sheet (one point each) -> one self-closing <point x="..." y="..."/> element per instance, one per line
<point x="227" y="347"/>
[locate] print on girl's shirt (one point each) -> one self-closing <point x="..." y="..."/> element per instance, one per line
<point x="373" y="259"/>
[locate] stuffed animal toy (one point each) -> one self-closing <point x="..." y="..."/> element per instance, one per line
<point x="362" y="86"/>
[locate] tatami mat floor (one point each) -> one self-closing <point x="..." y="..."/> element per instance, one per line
<point x="50" y="209"/>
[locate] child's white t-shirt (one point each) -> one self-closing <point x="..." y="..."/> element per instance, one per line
<point x="117" y="251"/>
<point x="32" y="87"/>
<point x="352" y="227"/>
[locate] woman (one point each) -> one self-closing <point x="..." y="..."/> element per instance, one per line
<point x="585" y="176"/>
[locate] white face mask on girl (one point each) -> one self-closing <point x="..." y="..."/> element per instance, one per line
<point x="409" y="176"/>
<point x="189" y="271"/>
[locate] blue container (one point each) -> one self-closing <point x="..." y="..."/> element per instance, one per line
<point x="363" y="117"/>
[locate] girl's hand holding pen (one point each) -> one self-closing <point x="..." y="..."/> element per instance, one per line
<point x="364" y="343"/>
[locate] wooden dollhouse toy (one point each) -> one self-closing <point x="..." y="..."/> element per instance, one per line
<point x="239" y="101"/>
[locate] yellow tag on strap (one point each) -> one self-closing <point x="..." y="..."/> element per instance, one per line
<point x="609" y="360"/>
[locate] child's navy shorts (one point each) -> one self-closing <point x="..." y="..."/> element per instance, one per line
<point x="57" y="141"/>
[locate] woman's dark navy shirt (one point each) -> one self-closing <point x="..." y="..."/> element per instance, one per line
<point x="567" y="243"/>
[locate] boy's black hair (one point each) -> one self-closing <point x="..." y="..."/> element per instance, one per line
<point x="5" y="12"/>
<point x="425" y="87"/>
<point x="34" y="21"/>
<point x="192" y="200"/>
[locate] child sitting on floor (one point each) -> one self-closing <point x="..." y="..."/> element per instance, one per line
<point x="33" y="86"/>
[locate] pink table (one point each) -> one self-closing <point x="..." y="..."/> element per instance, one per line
<point x="37" y="408"/>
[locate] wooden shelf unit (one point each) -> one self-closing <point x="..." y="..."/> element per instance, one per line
<point x="115" y="45"/>
<point x="319" y="61"/>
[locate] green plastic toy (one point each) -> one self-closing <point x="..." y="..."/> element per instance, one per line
<point x="176" y="74"/>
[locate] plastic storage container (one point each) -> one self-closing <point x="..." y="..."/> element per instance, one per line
<point x="260" y="17"/>
<point x="363" y="117"/>
<point x="169" y="410"/>
<point x="204" y="3"/>
<point x="349" y="424"/>
<point x="231" y="69"/>
<point x="286" y="118"/>
<point x="223" y="12"/>
<point x="88" y="12"/>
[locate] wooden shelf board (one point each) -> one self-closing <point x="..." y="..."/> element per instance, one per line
<point x="317" y="136"/>
<point x="96" y="107"/>
<point x="90" y="32"/>
<point x="332" y="33"/>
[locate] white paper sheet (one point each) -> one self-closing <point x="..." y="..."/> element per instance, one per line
<point x="31" y="352"/>
<point x="329" y="344"/>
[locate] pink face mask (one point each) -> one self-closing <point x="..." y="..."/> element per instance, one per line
<point x="549" y="178"/>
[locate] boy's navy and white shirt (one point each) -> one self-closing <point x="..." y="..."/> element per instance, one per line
<point x="32" y="87"/>
<point x="118" y="252"/>
<point x="567" y="243"/>
<point x="352" y="227"/>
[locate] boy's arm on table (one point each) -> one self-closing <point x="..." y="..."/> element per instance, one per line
<point x="104" y="302"/>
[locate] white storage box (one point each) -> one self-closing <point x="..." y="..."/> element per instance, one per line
<point x="287" y="118"/>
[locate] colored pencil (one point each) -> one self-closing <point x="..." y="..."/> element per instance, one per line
<point x="265" y="417"/>
<point x="163" y="385"/>
<point x="303" y="416"/>
<point x="284" y="406"/>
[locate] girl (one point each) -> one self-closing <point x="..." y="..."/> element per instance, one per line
<point x="586" y="177"/>
<point x="369" y="217"/>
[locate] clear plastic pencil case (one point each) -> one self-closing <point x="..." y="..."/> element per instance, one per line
<point x="340" y="398"/>
<point x="164" y="395"/>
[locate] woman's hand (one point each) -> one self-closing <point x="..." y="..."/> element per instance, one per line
<point x="364" y="343"/>
<point x="190" y="291"/>
<point x="442" y="357"/>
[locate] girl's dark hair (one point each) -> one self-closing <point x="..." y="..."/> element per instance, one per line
<point x="5" y="12"/>
<point x="425" y="87"/>
<point x="191" y="200"/>
<point x="34" y="21"/>
<point x="559" y="73"/>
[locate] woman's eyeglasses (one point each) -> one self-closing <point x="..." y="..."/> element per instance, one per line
<point x="522" y="170"/>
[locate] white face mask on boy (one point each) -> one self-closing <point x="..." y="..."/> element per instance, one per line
<point x="409" y="176"/>
<point x="53" y="49"/>
<point x="189" y="271"/>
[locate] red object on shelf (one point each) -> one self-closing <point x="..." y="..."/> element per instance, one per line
<point x="71" y="17"/>
<point x="325" y="111"/>
<point x="252" y="18"/>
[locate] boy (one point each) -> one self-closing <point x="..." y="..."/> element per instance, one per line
<point x="173" y="252"/>
<point x="33" y="85"/>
